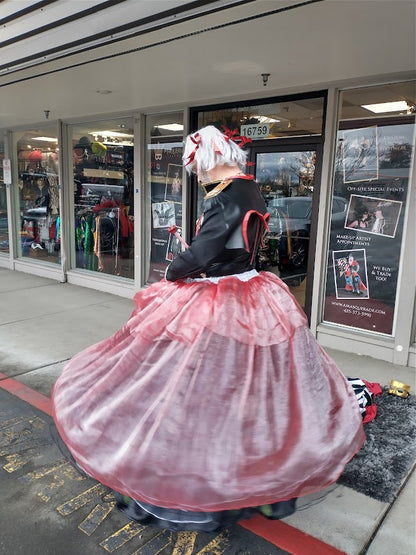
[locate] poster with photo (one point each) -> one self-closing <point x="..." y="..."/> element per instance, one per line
<point x="166" y="201"/>
<point x="173" y="187"/>
<point x="395" y="149"/>
<point x="360" y="154"/>
<point x="163" y="214"/>
<point x="350" y="274"/>
<point x="373" y="215"/>
<point x="372" y="228"/>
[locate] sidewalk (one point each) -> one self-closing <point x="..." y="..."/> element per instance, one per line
<point x="43" y="323"/>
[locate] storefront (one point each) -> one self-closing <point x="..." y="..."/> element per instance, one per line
<point x="92" y="127"/>
<point x="340" y="211"/>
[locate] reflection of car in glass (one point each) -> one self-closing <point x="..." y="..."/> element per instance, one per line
<point x="290" y="223"/>
<point x="3" y="219"/>
<point x="4" y="237"/>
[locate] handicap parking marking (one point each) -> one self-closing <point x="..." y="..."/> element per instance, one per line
<point x="122" y="536"/>
<point x="218" y="545"/>
<point x="157" y="544"/>
<point x="185" y="542"/>
<point x="15" y="461"/>
<point x="93" y="520"/>
<point x="14" y="431"/>
<point x="27" y="440"/>
<point x="80" y="500"/>
<point x="45" y="470"/>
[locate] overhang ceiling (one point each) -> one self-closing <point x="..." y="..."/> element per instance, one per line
<point x="80" y="59"/>
<point x="33" y="33"/>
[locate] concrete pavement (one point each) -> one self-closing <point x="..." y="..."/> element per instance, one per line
<point x="43" y="323"/>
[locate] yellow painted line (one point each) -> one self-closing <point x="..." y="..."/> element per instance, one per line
<point x="95" y="518"/>
<point x="122" y="536"/>
<point x="44" y="471"/>
<point x="72" y="473"/>
<point x="218" y="545"/>
<point x="37" y="423"/>
<point x="48" y="490"/>
<point x="34" y="421"/>
<point x="185" y="543"/>
<point x="17" y="429"/>
<point x="14" y="462"/>
<point x="12" y="422"/>
<point x="157" y="543"/>
<point x="80" y="500"/>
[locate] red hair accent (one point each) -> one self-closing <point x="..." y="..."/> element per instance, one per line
<point x="241" y="140"/>
<point x="196" y="139"/>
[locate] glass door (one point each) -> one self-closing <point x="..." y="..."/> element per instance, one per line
<point x="288" y="182"/>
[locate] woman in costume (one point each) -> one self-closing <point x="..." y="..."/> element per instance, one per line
<point x="214" y="401"/>
<point x="362" y="221"/>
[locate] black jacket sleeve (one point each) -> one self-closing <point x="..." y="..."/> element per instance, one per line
<point x="205" y="247"/>
<point x="218" y="249"/>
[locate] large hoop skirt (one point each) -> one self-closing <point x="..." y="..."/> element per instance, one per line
<point x="212" y="396"/>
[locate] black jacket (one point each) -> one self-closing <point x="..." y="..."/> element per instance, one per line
<point x="218" y="249"/>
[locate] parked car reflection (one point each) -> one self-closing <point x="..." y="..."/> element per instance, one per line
<point x="287" y="243"/>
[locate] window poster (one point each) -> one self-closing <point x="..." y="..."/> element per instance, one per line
<point x="165" y="203"/>
<point x="372" y="175"/>
<point x="360" y="154"/>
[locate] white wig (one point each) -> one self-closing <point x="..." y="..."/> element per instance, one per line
<point x="209" y="148"/>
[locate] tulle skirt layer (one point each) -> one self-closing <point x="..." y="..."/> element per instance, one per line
<point x="212" y="396"/>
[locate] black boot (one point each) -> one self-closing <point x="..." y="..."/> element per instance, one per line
<point x="279" y="510"/>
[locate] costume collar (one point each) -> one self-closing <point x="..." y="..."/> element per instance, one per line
<point x="213" y="188"/>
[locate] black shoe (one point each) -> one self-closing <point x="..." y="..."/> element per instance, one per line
<point x="131" y="509"/>
<point x="279" y="510"/>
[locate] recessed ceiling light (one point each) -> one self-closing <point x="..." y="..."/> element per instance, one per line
<point x="266" y="119"/>
<point x="171" y="127"/>
<point x="383" y="107"/>
<point x="46" y="139"/>
<point x="111" y="134"/>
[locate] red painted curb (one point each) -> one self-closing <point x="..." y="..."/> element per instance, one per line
<point x="288" y="538"/>
<point x="27" y="394"/>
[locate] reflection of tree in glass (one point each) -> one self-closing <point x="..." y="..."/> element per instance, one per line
<point x="359" y="155"/>
<point x="397" y="156"/>
<point x="303" y="167"/>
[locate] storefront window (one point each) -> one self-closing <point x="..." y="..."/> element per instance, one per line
<point x="375" y="147"/>
<point x="283" y="152"/>
<point x="4" y="230"/>
<point x="295" y="117"/>
<point x="103" y="197"/>
<point x="37" y="194"/>
<point x="287" y="183"/>
<point x="164" y="191"/>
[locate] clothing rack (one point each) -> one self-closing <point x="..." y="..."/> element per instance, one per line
<point x="88" y="209"/>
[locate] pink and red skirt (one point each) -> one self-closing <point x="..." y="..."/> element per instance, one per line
<point x="213" y="396"/>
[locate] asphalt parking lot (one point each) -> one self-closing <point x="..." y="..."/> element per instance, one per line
<point x="49" y="507"/>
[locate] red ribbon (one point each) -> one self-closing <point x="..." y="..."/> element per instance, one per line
<point x="228" y="134"/>
<point x="196" y="139"/>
